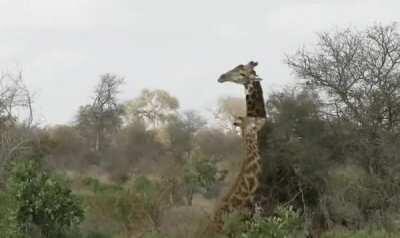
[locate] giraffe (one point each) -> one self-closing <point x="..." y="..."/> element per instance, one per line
<point x="243" y="189"/>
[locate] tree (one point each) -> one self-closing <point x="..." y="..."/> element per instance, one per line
<point x="64" y="140"/>
<point x="152" y="106"/>
<point x="181" y="130"/>
<point x="103" y="116"/>
<point x="358" y="74"/>
<point x="295" y="143"/>
<point x="340" y="149"/>
<point x="311" y="163"/>
<point x="133" y="147"/>
<point x="138" y="143"/>
<point x="199" y="175"/>
<point x="65" y="147"/>
<point x="14" y="95"/>
<point x="16" y="116"/>
<point x="217" y="145"/>
<point x="228" y="108"/>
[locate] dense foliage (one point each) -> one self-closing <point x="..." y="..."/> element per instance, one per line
<point x="330" y="147"/>
<point x="40" y="200"/>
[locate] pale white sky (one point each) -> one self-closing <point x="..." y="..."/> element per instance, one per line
<point x="181" y="46"/>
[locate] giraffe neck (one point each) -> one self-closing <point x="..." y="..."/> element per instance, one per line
<point x="247" y="182"/>
<point x="255" y="105"/>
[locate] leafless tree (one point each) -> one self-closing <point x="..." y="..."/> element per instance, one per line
<point x="358" y="73"/>
<point x="15" y="100"/>
<point x="103" y="115"/>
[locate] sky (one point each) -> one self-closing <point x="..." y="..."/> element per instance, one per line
<point x="182" y="46"/>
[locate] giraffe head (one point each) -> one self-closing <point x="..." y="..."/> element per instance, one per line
<point x="247" y="76"/>
<point x="241" y="74"/>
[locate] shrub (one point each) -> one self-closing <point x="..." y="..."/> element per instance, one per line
<point x="97" y="187"/>
<point x="8" y="219"/>
<point x="135" y="209"/>
<point x="199" y="175"/>
<point x="285" y="223"/>
<point x="42" y="200"/>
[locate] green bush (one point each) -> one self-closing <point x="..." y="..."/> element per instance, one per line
<point x="128" y="211"/>
<point x="145" y="186"/>
<point x="286" y="223"/>
<point x="199" y="175"/>
<point x="42" y="200"/>
<point x="8" y="218"/>
<point x="100" y="214"/>
<point x="97" y="187"/>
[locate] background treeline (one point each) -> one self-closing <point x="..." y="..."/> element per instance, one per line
<point x="145" y="168"/>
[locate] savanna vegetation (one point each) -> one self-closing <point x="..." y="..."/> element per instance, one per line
<point x="146" y="168"/>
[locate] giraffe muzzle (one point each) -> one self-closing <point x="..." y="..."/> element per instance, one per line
<point x="222" y="78"/>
